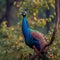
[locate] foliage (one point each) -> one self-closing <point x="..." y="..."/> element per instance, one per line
<point x="36" y="9"/>
<point x="12" y="46"/>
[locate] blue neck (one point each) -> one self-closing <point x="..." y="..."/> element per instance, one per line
<point x="25" y="28"/>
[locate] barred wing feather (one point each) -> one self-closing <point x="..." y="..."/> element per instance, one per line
<point x="40" y="37"/>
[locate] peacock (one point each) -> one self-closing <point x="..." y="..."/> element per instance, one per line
<point x="33" y="38"/>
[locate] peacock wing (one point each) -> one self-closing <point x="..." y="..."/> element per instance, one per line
<point x="40" y="37"/>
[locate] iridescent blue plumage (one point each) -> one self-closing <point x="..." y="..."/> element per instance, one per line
<point x="29" y="39"/>
<point x="26" y="31"/>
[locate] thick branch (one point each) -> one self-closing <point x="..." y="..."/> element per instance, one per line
<point x="55" y="30"/>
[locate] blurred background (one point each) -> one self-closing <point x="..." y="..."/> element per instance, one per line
<point x="41" y="16"/>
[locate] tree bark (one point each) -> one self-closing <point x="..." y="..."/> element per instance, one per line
<point x="9" y="4"/>
<point x="7" y="16"/>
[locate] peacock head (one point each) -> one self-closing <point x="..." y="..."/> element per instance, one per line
<point x="24" y="13"/>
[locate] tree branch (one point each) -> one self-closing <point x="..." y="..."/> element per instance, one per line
<point x="55" y="30"/>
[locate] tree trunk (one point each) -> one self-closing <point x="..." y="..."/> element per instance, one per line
<point x="7" y="16"/>
<point x="9" y="5"/>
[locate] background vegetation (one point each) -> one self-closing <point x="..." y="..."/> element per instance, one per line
<point x="41" y="16"/>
